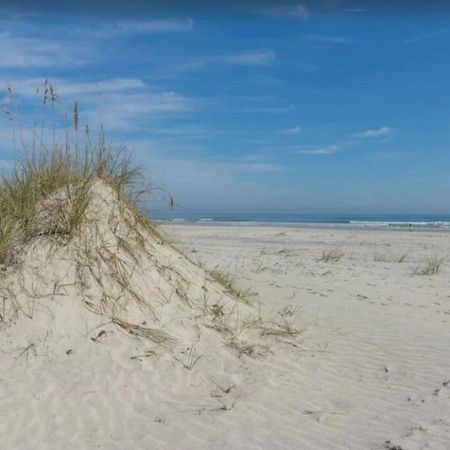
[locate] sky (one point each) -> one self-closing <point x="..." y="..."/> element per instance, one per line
<point x="332" y="106"/>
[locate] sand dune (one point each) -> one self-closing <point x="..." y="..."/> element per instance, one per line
<point x="350" y="354"/>
<point x="115" y="332"/>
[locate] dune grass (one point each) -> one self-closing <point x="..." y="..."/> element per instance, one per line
<point x="432" y="266"/>
<point x="229" y="284"/>
<point x="380" y="257"/>
<point x="47" y="190"/>
<point x="332" y="255"/>
<point x="43" y="173"/>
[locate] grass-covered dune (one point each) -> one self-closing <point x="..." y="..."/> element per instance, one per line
<point x="94" y="298"/>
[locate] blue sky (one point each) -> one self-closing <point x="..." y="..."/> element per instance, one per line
<point x="320" y="106"/>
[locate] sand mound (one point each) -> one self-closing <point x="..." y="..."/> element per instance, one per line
<point x="113" y="325"/>
<point x="117" y="274"/>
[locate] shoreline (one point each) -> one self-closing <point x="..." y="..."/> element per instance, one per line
<point x="299" y="226"/>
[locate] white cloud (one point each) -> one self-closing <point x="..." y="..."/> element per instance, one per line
<point x="383" y="131"/>
<point x="108" y="30"/>
<point x="24" y="52"/>
<point x="111" y="85"/>
<point x="299" y="11"/>
<point x="16" y="14"/>
<point x="156" y="26"/>
<point x="391" y="155"/>
<point x="160" y="149"/>
<point x="427" y="36"/>
<point x="119" y="104"/>
<point x="28" y="86"/>
<point x="186" y="132"/>
<point x="291" y="131"/>
<point x="328" y="150"/>
<point x="120" y="111"/>
<point x="271" y="109"/>
<point x="327" y="39"/>
<point x="253" y="157"/>
<point x="27" y="51"/>
<point x="356" y="10"/>
<point x="241" y="58"/>
<point x="251" y="58"/>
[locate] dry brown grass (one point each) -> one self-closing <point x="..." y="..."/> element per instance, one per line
<point x="156" y="335"/>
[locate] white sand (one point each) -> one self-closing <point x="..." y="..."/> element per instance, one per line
<point x="371" y="365"/>
<point x="376" y="350"/>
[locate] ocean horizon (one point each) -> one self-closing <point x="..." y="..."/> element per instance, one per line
<point x="424" y="222"/>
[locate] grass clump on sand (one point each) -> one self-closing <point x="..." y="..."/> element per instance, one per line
<point x="431" y="267"/>
<point x="378" y="257"/>
<point x="229" y="284"/>
<point x="401" y="258"/>
<point x="333" y="255"/>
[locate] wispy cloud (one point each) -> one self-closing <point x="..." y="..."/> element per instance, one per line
<point x="156" y="26"/>
<point x="18" y="15"/>
<point x="26" y="52"/>
<point x="253" y="157"/>
<point x="327" y="150"/>
<point x="392" y="155"/>
<point x="356" y="10"/>
<point x="328" y="39"/>
<point x="27" y="48"/>
<point x="185" y="132"/>
<point x="111" y="29"/>
<point x="244" y="58"/>
<point x="120" y="104"/>
<point x="257" y="167"/>
<point x="298" y="12"/>
<point x="378" y="132"/>
<point x="240" y="58"/>
<point x="121" y="111"/>
<point x="271" y="109"/>
<point x="249" y="58"/>
<point x="346" y="144"/>
<point x="28" y="86"/>
<point x="291" y="131"/>
<point x="427" y="36"/>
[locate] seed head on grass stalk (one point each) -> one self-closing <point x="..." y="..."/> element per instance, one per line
<point x="75" y="116"/>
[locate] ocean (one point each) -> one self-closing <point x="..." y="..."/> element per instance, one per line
<point x="425" y="222"/>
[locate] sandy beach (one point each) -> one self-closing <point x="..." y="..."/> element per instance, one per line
<point x="364" y="362"/>
<point x="373" y="368"/>
<point x="224" y="225"/>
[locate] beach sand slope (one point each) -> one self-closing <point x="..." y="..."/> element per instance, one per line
<point x="349" y="354"/>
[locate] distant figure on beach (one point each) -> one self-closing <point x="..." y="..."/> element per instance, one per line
<point x="410" y="227"/>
